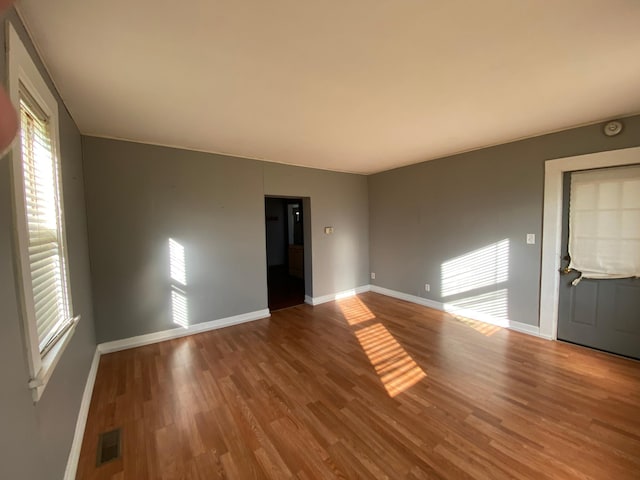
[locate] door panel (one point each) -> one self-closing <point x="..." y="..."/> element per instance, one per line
<point x="627" y="306"/>
<point x="584" y="303"/>
<point x="602" y="314"/>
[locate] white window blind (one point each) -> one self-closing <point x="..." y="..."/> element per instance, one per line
<point x="604" y="222"/>
<point x="47" y="263"/>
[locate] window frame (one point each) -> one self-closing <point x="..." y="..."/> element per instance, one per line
<point x="24" y="75"/>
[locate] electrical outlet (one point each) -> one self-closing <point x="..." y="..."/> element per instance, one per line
<point x="531" y="238"/>
<point x="427" y="287"/>
<point x="373" y="275"/>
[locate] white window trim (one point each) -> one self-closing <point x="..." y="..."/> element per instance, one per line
<point x="22" y="70"/>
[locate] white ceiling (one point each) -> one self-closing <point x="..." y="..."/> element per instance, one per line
<point x="350" y="85"/>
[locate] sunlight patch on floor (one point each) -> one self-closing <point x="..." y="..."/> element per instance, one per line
<point x="395" y="367"/>
<point x="355" y="311"/>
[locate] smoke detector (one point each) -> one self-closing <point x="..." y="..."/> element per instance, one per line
<point x="612" y="129"/>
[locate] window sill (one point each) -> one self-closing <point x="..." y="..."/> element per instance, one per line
<point x="49" y="362"/>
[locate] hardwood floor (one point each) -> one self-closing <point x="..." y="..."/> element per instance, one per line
<point x="367" y="387"/>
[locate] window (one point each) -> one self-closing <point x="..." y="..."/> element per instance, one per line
<point x="604" y="222"/>
<point x="39" y="219"/>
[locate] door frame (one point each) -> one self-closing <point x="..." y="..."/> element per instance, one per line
<point x="552" y="225"/>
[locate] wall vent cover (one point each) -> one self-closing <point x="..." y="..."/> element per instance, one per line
<point x="108" y="446"/>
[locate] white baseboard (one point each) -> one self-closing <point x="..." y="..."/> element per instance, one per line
<point x="463" y="312"/>
<point x="156" y="337"/>
<point x="336" y="296"/>
<point x="405" y="296"/>
<point x="81" y="422"/>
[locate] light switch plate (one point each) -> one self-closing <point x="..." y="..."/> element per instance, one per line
<point x="531" y="238"/>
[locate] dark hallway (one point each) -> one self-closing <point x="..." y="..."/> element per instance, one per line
<point x="285" y="252"/>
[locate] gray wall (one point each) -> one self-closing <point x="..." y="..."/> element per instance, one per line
<point x="423" y="215"/>
<point x="35" y="439"/>
<point x="139" y="196"/>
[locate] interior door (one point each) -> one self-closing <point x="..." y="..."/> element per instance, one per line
<point x="602" y="314"/>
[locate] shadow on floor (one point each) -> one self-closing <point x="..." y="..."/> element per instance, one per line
<point x="284" y="289"/>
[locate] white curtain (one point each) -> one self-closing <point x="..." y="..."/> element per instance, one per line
<point x="604" y="222"/>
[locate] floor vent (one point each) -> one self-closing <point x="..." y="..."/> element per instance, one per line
<point x="108" y="446"/>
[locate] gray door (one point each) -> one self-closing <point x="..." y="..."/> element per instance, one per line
<point x="602" y="314"/>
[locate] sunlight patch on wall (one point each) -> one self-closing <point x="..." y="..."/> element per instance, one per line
<point x="481" y="268"/>
<point x="179" y="307"/>
<point x="485" y="329"/>
<point x="395" y="367"/>
<point x="494" y="305"/>
<point x="355" y="311"/>
<point x="176" y="262"/>
<point x="178" y="273"/>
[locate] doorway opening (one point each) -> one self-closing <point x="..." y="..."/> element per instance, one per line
<point x="286" y="253"/>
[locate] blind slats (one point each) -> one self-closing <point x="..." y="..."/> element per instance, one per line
<point x="46" y="296"/>
<point x="48" y="309"/>
<point x="46" y="287"/>
<point x="43" y="214"/>
<point x="49" y="318"/>
<point x="42" y="260"/>
<point x="43" y="266"/>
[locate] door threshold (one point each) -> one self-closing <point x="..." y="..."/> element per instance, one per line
<point x="598" y="350"/>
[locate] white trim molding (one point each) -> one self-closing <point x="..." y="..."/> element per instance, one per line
<point x="552" y="224"/>
<point x="463" y="312"/>
<point x="336" y="296"/>
<point x="156" y="337"/>
<point x="81" y="422"/>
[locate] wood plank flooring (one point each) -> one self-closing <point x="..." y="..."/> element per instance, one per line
<point x="366" y="387"/>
